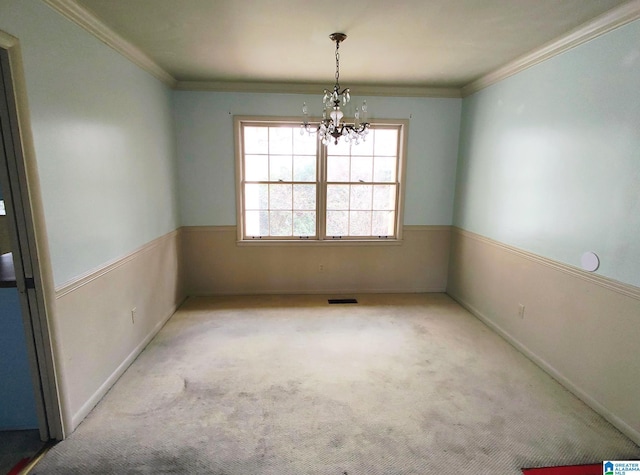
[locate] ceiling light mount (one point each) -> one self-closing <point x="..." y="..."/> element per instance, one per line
<point x="331" y="126"/>
<point x="338" y="37"/>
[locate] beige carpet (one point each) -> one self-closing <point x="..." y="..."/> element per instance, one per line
<point x="398" y="384"/>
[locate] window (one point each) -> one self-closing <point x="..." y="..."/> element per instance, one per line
<point x="292" y="188"/>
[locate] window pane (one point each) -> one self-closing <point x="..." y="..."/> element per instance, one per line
<point x="280" y="223"/>
<point x="304" y="168"/>
<point x="363" y="148"/>
<point x="257" y="223"/>
<point x="280" y="168"/>
<point x="338" y="197"/>
<point x="384" y="169"/>
<point x="361" y="196"/>
<point x="338" y="168"/>
<point x="360" y="223"/>
<point x="286" y="207"/>
<point x="256" y="196"/>
<point x="343" y="147"/>
<point x="304" y="144"/>
<point x="382" y="223"/>
<point x="256" y="168"/>
<point x="304" y="197"/>
<point x="281" y="140"/>
<point x="385" y="142"/>
<point x="256" y="140"/>
<point x="280" y="197"/>
<point x="361" y="168"/>
<point x="337" y="223"/>
<point x="304" y="223"/>
<point x="384" y="197"/>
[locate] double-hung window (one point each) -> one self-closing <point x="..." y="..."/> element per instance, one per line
<point x="293" y="188"/>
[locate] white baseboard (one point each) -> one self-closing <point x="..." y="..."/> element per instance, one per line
<point x="88" y="406"/>
<point x="553" y="372"/>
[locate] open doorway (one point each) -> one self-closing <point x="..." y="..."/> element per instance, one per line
<point x="33" y="402"/>
<point x="20" y="436"/>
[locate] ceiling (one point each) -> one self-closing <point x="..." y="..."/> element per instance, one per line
<point x="404" y="43"/>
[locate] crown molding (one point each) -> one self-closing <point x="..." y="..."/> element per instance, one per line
<point x="602" y="24"/>
<point x="315" y="88"/>
<point x="87" y="20"/>
<point x="606" y="22"/>
<point x="84" y="18"/>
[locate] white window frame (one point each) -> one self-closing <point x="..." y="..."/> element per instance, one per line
<point x="402" y="125"/>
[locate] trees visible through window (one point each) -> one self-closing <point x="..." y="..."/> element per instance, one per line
<point x="291" y="187"/>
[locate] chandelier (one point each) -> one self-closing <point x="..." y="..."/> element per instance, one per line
<point x="331" y="127"/>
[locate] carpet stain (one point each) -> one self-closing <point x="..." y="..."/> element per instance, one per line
<point x="337" y="441"/>
<point x="414" y="385"/>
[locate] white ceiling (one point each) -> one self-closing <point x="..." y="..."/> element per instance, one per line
<point x="422" y="43"/>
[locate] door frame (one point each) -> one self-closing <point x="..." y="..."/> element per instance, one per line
<point x="34" y="276"/>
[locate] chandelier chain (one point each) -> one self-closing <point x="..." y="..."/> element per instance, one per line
<point x="337" y="65"/>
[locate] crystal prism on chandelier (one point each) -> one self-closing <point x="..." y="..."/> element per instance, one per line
<point x="331" y="126"/>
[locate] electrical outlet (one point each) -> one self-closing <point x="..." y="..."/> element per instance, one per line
<point x="521" y="311"/>
<point x="134" y="311"/>
<point x="321" y="268"/>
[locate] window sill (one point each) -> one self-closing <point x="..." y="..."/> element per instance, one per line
<point x="327" y="242"/>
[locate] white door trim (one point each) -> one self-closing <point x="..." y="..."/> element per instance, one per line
<point x="33" y="263"/>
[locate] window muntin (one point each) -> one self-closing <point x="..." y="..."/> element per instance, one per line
<point x="362" y="187"/>
<point x="293" y="188"/>
<point x="280" y="182"/>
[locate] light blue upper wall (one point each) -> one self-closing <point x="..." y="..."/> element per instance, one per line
<point x="204" y="124"/>
<point x="103" y="137"/>
<point x="550" y="158"/>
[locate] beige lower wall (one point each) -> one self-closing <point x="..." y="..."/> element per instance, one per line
<point x="581" y="328"/>
<point x="215" y="264"/>
<point x="96" y="337"/>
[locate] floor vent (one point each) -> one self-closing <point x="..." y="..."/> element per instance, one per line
<point x="342" y="301"/>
